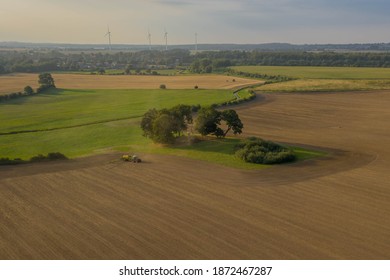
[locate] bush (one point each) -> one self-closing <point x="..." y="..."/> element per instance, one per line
<point x="8" y="161"/>
<point x="195" y="108"/>
<point x="56" y="156"/>
<point x="196" y="87"/>
<point x="39" y="157"/>
<point x="48" y="157"/>
<point x="256" y="150"/>
<point x="28" y="90"/>
<point x="163" y="86"/>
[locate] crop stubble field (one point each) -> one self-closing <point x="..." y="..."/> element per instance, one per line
<point x="177" y="208"/>
<point x="17" y="82"/>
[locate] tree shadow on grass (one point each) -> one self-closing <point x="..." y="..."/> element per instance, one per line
<point x="20" y="100"/>
<point x="213" y="145"/>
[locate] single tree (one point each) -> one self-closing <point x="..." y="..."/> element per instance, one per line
<point x="207" y="121"/>
<point x="181" y="116"/>
<point x="163" y="129"/>
<point x="233" y="122"/>
<point x="45" y="81"/>
<point x="147" y="122"/>
<point x="28" y="90"/>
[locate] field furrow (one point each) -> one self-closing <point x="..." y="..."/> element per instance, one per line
<point x="169" y="207"/>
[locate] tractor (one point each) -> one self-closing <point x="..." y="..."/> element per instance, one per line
<point x="131" y="158"/>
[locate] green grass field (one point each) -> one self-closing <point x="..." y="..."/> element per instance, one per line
<point x="86" y="121"/>
<point x="323" y="79"/>
<point x="220" y="151"/>
<point x="67" y="108"/>
<point x="83" y="122"/>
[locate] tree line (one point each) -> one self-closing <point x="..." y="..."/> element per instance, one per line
<point x="45" y="81"/>
<point x="201" y="62"/>
<point x="165" y="125"/>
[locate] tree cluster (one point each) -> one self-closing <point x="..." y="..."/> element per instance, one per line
<point x="201" y="66"/>
<point x="163" y="126"/>
<point x="209" y="122"/>
<point x="45" y="81"/>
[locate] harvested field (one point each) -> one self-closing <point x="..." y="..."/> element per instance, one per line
<point x="17" y="82"/>
<point x="331" y="208"/>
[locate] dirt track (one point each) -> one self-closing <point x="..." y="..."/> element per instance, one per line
<point x="177" y="208"/>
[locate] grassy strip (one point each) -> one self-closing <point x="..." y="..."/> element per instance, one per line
<point x="310" y="72"/>
<point x="126" y="136"/>
<point x="326" y="85"/>
<point x="219" y="151"/>
<point x="322" y="79"/>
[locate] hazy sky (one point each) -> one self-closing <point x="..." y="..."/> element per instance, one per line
<point x="215" y="21"/>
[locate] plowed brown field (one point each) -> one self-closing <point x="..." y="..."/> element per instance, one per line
<point x="336" y="207"/>
<point x="17" y="82"/>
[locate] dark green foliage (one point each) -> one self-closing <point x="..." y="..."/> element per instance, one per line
<point x="256" y="150"/>
<point x="269" y="78"/>
<point x="233" y="122"/>
<point x="209" y="119"/>
<point x="162" y="86"/>
<point x="28" y="90"/>
<point x="252" y="95"/>
<point x="10" y="96"/>
<point x="42" y="61"/>
<point x="201" y="66"/>
<point x="181" y="116"/>
<point x="8" y="161"/>
<point x="195" y="108"/>
<point x="45" y="81"/>
<point x="163" y="129"/>
<point x="56" y="156"/>
<point x="48" y="157"/>
<point x="37" y="158"/>
<point x="147" y="122"/>
<point x="162" y="126"/>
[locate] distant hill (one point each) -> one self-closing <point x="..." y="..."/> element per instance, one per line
<point x="207" y="47"/>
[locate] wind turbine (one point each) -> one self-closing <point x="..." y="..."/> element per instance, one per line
<point x="166" y="39"/>
<point x="150" y="40"/>
<point x="109" y="36"/>
<point x="196" y="42"/>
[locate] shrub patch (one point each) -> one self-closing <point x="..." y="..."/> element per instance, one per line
<point x="257" y="150"/>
